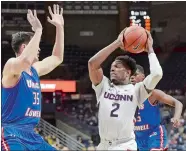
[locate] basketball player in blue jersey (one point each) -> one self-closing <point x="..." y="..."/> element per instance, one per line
<point x="150" y="134"/>
<point x="21" y="91"/>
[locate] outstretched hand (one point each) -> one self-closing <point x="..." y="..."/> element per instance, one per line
<point x="33" y="20"/>
<point x="176" y="122"/>
<point x="56" y="15"/>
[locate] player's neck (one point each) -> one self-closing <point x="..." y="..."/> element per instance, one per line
<point x="121" y="83"/>
<point x="125" y="82"/>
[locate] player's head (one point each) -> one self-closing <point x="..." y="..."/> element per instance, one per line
<point x="121" y="69"/>
<point x="138" y="76"/>
<point x="20" y="40"/>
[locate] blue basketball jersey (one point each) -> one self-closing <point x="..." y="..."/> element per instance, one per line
<point x="148" y="118"/>
<point x="21" y="104"/>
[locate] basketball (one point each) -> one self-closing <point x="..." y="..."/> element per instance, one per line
<point x="135" y="38"/>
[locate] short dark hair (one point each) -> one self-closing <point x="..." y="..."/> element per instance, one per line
<point x="130" y="62"/>
<point x="140" y="68"/>
<point x="20" y="38"/>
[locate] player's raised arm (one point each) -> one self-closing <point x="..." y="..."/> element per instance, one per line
<point x="149" y="83"/>
<point x="50" y="63"/>
<point x="95" y="62"/>
<point x="15" y="66"/>
<point x="156" y="72"/>
<point x="167" y="99"/>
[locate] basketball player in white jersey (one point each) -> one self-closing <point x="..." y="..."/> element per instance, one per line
<point x="117" y="98"/>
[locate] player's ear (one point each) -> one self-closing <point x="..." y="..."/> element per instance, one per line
<point x="143" y="76"/>
<point x="129" y="72"/>
<point x="22" y="46"/>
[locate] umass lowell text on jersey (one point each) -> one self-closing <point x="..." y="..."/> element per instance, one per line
<point x="148" y="117"/>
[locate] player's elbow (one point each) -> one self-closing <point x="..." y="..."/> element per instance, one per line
<point x="155" y="80"/>
<point x="158" y="74"/>
<point x="180" y="104"/>
<point x="152" y="80"/>
<point x="57" y="61"/>
<point x="60" y="60"/>
<point x="90" y="63"/>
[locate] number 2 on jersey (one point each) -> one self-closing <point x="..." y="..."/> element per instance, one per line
<point x="36" y="98"/>
<point x="116" y="107"/>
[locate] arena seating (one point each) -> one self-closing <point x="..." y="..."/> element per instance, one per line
<point x="174" y="71"/>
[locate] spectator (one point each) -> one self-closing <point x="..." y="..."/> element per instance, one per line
<point x="50" y="140"/>
<point x="91" y="146"/>
<point x="65" y="149"/>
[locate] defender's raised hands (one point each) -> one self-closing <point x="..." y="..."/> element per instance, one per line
<point x="34" y="21"/>
<point x="56" y="15"/>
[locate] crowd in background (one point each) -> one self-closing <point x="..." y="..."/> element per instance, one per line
<point x="83" y="111"/>
<point x="177" y="136"/>
<point x="52" y="140"/>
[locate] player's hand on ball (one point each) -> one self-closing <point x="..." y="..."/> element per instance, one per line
<point x="120" y="39"/>
<point x="56" y="15"/>
<point x="34" y="21"/>
<point x="176" y="122"/>
<point x="149" y="41"/>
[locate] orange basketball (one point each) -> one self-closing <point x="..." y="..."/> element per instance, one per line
<point x="135" y="38"/>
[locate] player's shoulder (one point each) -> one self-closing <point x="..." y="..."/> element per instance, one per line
<point x="106" y="81"/>
<point x="10" y="60"/>
<point x="9" y="79"/>
<point x="139" y="85"/>
<point x="7" y="64"/>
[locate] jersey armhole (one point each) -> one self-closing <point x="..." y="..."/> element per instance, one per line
<point x="154" y="104"/>
<point x="32" y="67"/>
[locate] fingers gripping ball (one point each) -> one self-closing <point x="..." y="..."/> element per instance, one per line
<point x="135" y="38"/>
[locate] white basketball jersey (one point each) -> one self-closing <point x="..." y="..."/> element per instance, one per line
<point x="117" y="106"/>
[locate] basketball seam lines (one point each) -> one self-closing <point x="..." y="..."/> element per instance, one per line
<point x="130" y="32"/>
<point x="134" y="41"/>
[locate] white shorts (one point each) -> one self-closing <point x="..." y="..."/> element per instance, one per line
<point x="117" y="145"/>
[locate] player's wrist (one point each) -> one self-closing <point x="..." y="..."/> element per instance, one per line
<point x="150" y="50"/>
<point x="59" y="26"/>
<point x="118" y="42"/>
<point x="176" y="117"/>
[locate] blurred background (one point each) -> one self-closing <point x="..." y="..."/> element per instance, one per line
<point x="69" y="112"/>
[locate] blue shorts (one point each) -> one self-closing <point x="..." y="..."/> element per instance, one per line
<point x="19" y="139"/>
<point x="156" y="140"/>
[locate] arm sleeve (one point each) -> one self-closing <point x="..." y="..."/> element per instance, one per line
<point x="156" y="73"/>
<point x="142" y="89"/>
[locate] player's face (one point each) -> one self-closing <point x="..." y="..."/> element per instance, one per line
<point x="137" y="77"/>
<point x="118" y="72"/>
